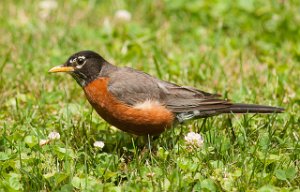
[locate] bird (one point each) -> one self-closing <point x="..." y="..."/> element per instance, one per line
<point x="141" y="104"/>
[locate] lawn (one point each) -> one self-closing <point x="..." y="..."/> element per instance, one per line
<point x="246" y="50"/>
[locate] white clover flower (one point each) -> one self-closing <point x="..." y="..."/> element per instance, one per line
<point x="99" y="144"/>
<point x="194" y="139"/>
<point x="54" y="135"/>
<point x="123" y="15"/>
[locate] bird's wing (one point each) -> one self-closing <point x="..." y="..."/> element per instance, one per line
<point x="131" y="87"/>
<point x="182" y="99"/>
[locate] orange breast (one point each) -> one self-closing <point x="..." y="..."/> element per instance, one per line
<point x="137" y="120"/>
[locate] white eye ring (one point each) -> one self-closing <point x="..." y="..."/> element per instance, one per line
<point x="80" y="61"/>
<point x="80" y="65"/>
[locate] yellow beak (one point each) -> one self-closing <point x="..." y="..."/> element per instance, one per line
<point x="61" y="69"/>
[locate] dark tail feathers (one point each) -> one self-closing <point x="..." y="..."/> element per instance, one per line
<point x="232" y="108"/>
<point x="251" y="108"/>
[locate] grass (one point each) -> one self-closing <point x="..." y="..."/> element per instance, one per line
<point x="249" y="51"/>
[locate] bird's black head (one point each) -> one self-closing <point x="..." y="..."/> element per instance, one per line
<point x="84" y="66"/>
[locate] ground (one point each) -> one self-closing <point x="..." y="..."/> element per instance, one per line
<point x="246" y="50"/>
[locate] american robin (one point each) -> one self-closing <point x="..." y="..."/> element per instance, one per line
<point x="138" y="103"/>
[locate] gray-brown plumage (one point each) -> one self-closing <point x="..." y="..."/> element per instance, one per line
<point x="185" y="102"/>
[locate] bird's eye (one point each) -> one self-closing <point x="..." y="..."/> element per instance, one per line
<point x="80" y="60"/>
